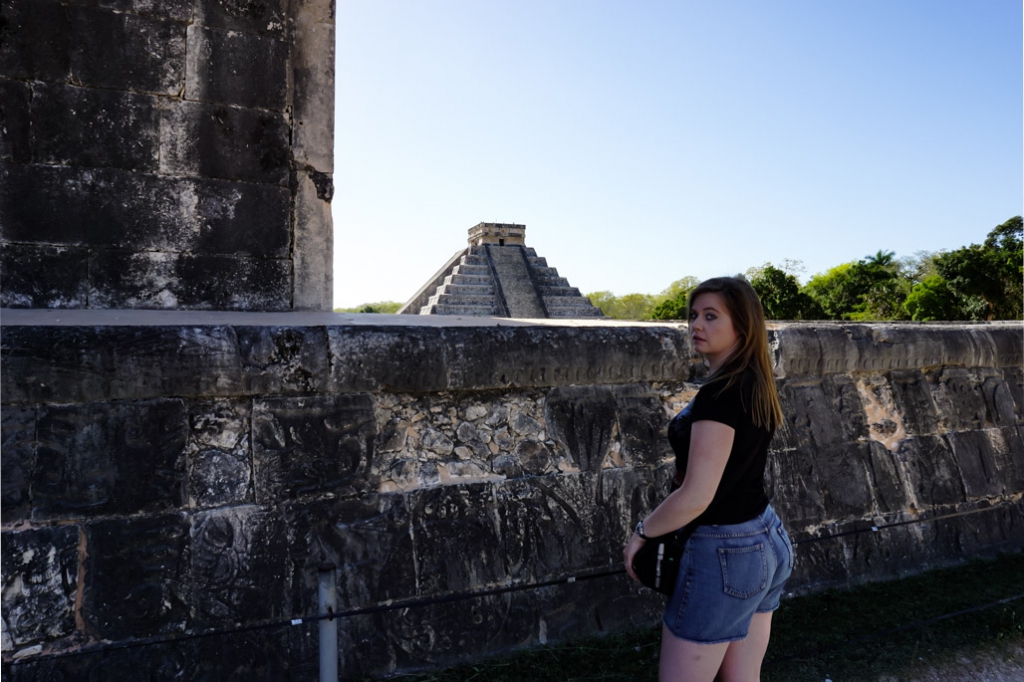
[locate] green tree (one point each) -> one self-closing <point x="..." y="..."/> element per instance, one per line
<point x="378" y="307"/>
<point x="932" y="299"/>
<point x="781" y="297"/>
<point x="628" y="307"/>
<point x="671" y="304"/>
<point x="987" y="277"/>
<point x="870" y="289"/>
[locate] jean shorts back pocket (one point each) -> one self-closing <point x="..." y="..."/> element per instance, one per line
<point x="744" y="570"/>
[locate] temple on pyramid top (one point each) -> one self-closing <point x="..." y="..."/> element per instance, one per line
<point x="497" y="275"/>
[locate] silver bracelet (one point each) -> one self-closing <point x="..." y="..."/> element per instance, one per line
<point x="639" y="530"/>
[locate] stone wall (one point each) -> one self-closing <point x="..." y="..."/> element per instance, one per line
<point x="167" y="474"/>
<point x="172" y="154"/>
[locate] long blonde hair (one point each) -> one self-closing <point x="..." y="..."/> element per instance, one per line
<point x="747" y="315"/>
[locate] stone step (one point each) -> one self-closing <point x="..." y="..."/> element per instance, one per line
<point x="557" y="290"/>
<point x="474" y="260"/>
<point x="459" y="289"/>
<point x="468" y="280"/>
<point x="537" y="262"/>
<point x="471" y="310"/>
<point x="551" y="281"/>
<point x="445" y="298"/>
<point x="475" y="270"/>
<point x="590" y="311"/>
<point x="541" y="272"/>
<point x="566" y="301"/>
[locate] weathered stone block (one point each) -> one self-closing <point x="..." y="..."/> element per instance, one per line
<point x="1000" y="409"/>
<point x="175" y="10"/>
<point x="985" y="462"/>
<point x="643" y="427"/>
<point x="313" y="78"/>
<point x="43" y="276"/>
<point x="92" y="127"/>
<point x="847" y="469"/>
<point x="248" y="16"/>
<point x="171" y="280"/>
<point x="581" y="419"/>
<point x="18" y="434"/>
<point x="80" y="364"/>
<point x="812" y="413"/>
<point x="313" y="446"/>
<point x="15" y="120"/>
<point x="237" y="566"/>
<point x="457" y="549"/>
<point x="40" y="569"/>
<point x="363" y="359"/>
<point x="959" y="399"/>
<point x="913" y="396"/>
<point x="366" y="538"/>
<point x="218" y="141"/>
<point x="886" y="478"/>
<point x="127" y="52"/>
<point x="313" y="253"/>
<point x="241" y="69"/>
<point x="798" y="491"/>
<point x="934" y="475"/>
<point x="219" y="454"/>
<point x="133" y="211"/>
<point x="34" y="40"/>
<point x="107" y="458"/>
<point x="278" y="360"/>
<point x="134" y="577"/>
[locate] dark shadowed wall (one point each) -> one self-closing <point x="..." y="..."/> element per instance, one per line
<point x="170" y="154"/>
<point x="168" y="474"/>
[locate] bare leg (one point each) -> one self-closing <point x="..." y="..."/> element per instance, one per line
<point x="683" y="661"/>
<point x="742" y="662"/>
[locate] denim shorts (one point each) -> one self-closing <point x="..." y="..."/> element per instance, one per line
<point x="727" y="574"/>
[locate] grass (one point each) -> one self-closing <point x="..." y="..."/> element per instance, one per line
<point x="814" y="637"/>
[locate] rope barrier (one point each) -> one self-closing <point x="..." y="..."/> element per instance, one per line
<point x="431" y="601"/>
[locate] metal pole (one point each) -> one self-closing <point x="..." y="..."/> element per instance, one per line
<point x="328" y="600"/>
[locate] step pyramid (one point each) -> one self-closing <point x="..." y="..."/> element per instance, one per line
<point x="497" y="275"/>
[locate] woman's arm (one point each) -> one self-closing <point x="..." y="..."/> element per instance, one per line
<point x="710" y="445"/>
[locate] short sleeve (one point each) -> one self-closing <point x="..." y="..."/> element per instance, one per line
<point x="717" y="405"/>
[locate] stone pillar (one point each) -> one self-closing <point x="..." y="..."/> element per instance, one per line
<point x="166" y="155"/>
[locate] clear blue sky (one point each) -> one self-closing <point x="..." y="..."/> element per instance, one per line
<point x="644" y="141"/>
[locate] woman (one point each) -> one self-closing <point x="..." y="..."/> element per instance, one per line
<point x="719" y="617"/>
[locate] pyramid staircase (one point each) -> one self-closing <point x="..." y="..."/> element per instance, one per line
<point x="500" y="280"/>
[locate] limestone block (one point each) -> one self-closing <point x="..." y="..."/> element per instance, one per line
<point x="281" y="360"/>
<point x="1000" y="408"/>
<point x="1015" y="385"/>
<point x="79" y="364"/>
<point x="237" y="566"/>
<point x="313" y="445"/>
<point x="844" y="470"/>
<point x="108" y="458"/>
<point x="989" y="461"/>
<point x="136" y="561"/>
<point x="175" y="10"/>
<point x="270" y="17"/>
<point x="581" y="419"/>
<point x="313" y="252"/>
<point x="135" y="211"/>
<point x="126" y="51"/>
<point x="241" y="69"/>
<point x="171" y="280"/>
<point x="457" y="549"/>
<point x="367" y="538"/>
<point x="933" y="473"/>
<point x="363" y="359"/>
<point x="313" y="87"/>
<point x="43" y="276"/>
<point x="819" y="414"/>
<point x="40" y="568"/>
<point x="15" y="127"/>
<point x="93" y="127"/>
<point x="643" y="429"/>
<point x="36" y="38"/>
<point x="534" y="457"/>
<point x="912" y="394"/>
<point x="958" y="397"/>
<point x="887" y="479"/>
<point x="18" y="433"/>
<point x="219" y="453"/>
<point x="217" y="141"/>
<point x="798" y="489"/>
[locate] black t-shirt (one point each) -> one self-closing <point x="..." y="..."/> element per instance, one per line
<point x="740" y="495"/>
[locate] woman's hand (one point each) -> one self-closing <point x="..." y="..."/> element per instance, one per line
<point x="632" y="547"/>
